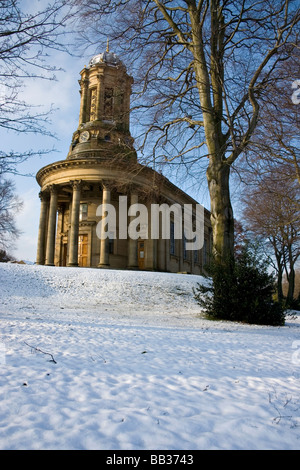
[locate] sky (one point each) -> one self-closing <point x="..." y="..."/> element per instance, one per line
<point x="63" y="96"/>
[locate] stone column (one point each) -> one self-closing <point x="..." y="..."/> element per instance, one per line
<point x="104" y="242"/>
<point x="83" y="112"/>
<point x="40" y="256"/>
<point x="59" y="230"/>
<point x="74" y="230"/>
<point x="132" y="244"/>
<point x="51" y="227"/>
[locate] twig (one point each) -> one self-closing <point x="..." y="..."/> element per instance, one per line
<point x="43" y="352"/>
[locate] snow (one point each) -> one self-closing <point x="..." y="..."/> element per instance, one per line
<point x="137" y="367"/>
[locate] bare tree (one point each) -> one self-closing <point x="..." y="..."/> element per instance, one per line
<point x="10" y="204"/>
<point x="272" y="212"/>
<point x="276" y="138"/>
<point x="26" y="37"/>
<point x="200" y="68"/>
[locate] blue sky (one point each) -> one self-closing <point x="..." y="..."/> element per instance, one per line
<point x="63" y="95"/>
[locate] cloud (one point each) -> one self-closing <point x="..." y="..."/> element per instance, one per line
<point x="27" y="222"/>
<point x="61" y="94"/>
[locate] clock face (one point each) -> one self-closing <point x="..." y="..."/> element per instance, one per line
<point x="84" y="136"/>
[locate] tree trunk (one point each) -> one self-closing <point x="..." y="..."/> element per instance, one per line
<point x="291" y="282"/>
<point x="290" y="274"/>
<point x="221" y="211"/>
<point x="278" y="256"/>
<point x="279" y="285"/>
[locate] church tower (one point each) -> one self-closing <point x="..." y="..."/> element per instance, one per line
<point x="105" y="89"/>
<point x="101" y="169"/>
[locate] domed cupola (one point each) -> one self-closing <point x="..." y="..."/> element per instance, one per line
<point x="105" y="89"/>
<point x="107" y="57"/>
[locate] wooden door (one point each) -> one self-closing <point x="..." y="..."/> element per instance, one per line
<point x="82" y="250"/>
<point x="141" y="254"/>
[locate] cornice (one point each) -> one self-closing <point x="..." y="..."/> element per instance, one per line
<point x="143" y="172"/>
<point x="66" y="164"/>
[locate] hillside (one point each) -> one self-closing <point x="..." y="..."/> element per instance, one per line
<point x="101" y="359"/>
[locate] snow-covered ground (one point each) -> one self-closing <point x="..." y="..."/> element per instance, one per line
<point x="137" y="367"/>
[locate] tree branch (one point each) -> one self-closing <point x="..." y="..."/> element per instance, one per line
<point x="43" y="352"/>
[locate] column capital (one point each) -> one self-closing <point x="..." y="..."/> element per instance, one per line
<point x="76" y="184"/>
<point x="53" y="188"/>
<point x="105" y="184"/>
<point x="43" y="196"/>
<point x="84" y="82"/>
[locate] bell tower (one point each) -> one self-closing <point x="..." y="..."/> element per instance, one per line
<point x="103" y="130"/>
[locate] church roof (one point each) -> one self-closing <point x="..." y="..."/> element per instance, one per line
<point x="107" y="57"/>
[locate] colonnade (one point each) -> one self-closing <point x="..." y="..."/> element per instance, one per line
<point x="47" y="228"/>
<point x="159" y="255"/>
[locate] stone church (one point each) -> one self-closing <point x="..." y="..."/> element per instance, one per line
<point x="102" y="169"/>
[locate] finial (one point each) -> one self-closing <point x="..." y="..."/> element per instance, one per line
<point x="107" y="45"/>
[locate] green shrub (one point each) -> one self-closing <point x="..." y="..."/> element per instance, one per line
<point x="241" y="290"/>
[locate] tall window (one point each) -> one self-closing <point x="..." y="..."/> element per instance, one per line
<point x="111" y="246"/>
<point x="172" y="238"/>
<point x="83" y="211"/>
<point x="187" y="254"/>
